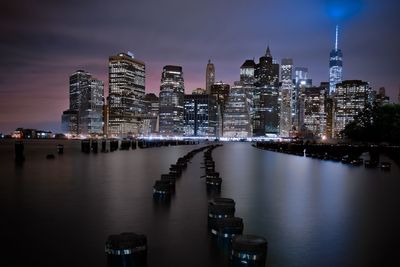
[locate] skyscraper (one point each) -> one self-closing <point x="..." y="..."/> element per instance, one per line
<point x="86" y="100"/>
<point x="210" y="76"/>
<point x="314" y="115"/>
<point x="91" y="110"/>
<point x="247" y="71"/>
<point x="267" y="71"/>
<point x="264" y="95"/>
<point x="351" y="97"/>
<point x="220" y="91"/>
<point x="126" y="89"/>
<point x="335" y="65"/>
<point x="172" y="91"/>
<point x="200" y="115"/>
<point x="287" y="87"/>
<point x="237" y="119"/>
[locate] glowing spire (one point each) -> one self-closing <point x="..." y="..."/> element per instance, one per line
<point x="337" y="37"/>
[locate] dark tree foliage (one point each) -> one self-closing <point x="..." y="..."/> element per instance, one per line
<point x="376" y="124"/>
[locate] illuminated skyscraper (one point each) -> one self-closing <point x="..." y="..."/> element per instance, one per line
<point x="237" y="118"/>
<point x="287" y="87"/>
<point x="220" y="91"/>
<point x="247" y="72"/>
<point x="86" y="100"/>
<point x="267" y="71"/>
<point x="314" y="112"/>
<point x="335" y="65"/>
<point x="351" y="97"/>
<point x="91" y="111"/>
<point x="172" y="91"/>
<point x="200" y="115"/>
<point x="126" y="89"/>
<point x="210" y="76"/>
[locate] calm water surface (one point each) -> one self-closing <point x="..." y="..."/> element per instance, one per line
<point x="313" y="213"/>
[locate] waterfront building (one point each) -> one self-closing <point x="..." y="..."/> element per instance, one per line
<point x="91" y="111"/>
<point x="220" y="91"/>
<point x="269" y="110"/>
<point x="335" y="65"/>
<point x="286" y="90"/>
<point x="351" y="97"/>
<point x="201" y="115"/>
<point x="126" y="90"/>
<point x="314" y="115"/>
<point x="150" y="120"/>
<point x="172" y="92"/>
<point x="69" y="122"/>
<point x="86" y="100"/>
<point x="237" y="118"/>
<point x="210" y="76"/>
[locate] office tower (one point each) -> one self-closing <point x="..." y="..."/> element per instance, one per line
<point x="314" y="115"/>
<point x="85" y="113"/>
<point x="210" y="76"/>
<point x="172" y="92"/>
<point x="247" y="72"/>
<point x="287" y="87"/>
<point x="269" y="110"/>
<point x="152" y="104"/>
<point x="267" y="70"/>
<point x="150" y="118"/>
<point x="126" y="89"/>
<point x="350" y="98"/>
<point x="237" y="118"/>
<point x="335" y="65"/>
<point x="220" y="91"/>
<point x="91" y="109"/>
<point x="381" y="98"/>
<point x="265" y="94"/>
<point x="300" y="75"/>
<point x="69" y="122"/>
<point x="200" y="115"/>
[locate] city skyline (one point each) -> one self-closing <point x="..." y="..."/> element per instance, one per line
<point x="38" y="56"/>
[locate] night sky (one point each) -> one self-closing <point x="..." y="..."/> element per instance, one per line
<point x="43" y="42"/>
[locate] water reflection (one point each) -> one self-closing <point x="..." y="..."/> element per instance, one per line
<point x="313" y="213"/>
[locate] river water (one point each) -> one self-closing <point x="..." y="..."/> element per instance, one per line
<point x="313" y="213"/>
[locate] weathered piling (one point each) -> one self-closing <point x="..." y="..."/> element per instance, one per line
<point x="126" y="250"/>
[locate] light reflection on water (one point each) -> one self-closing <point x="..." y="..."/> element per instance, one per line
<point x="313" y="213"/>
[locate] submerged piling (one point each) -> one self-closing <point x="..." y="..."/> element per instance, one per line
<point x="249" y="250"/>
<point x="126" y="250"/>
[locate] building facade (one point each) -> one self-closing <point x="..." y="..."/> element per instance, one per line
<point x="314" y="117"/>
<point x="126" y="90"/>
<point x="350" y="98"/>
<point x="201" y="115"/>
<point x="286" y="90"/>
<point x="172" y="91"/>
<point x="237" y="117"/>
<point x="220" y="91"/>
<point x="85" y="113"/>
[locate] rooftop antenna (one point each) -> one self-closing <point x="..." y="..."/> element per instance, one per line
<point x="337" y="37"/>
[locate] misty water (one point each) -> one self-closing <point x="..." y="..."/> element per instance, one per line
<point x="313" y="213"/>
